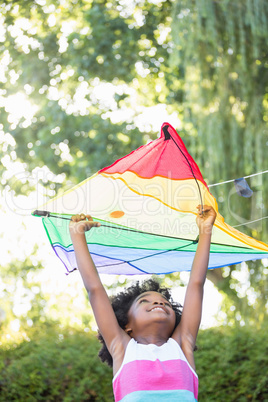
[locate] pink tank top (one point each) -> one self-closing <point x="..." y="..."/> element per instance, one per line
<point x="155" y="373"/>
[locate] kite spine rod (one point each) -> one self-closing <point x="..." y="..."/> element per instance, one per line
<point x="47" y="214"/>
<point x="230" y="181"/>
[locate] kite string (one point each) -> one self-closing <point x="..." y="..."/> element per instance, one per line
<point x="201" y="201"/>
<point x="147" y="256"/>
<point x="249" y="222"/>
<point x="244" y="177"/>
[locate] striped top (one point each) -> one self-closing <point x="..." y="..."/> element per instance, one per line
<point x="155" y="373"/>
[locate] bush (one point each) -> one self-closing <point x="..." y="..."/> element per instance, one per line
<point x="232" y="364"/>
<point x="55" y="365"/>
<point x="63" y="365"/>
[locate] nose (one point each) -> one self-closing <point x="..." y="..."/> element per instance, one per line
<point x="159" y="302"/>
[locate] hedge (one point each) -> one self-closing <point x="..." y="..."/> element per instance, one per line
<point x="62" y="365"/>
<point x="55" y="365"/>
<point x="232" y="364"/>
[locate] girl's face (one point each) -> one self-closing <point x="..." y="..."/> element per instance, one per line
<point x="151" y="308"/>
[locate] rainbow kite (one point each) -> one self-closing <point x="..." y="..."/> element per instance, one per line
<point x="146" y="203"/>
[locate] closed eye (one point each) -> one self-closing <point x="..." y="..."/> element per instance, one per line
<point x="169" y="305"/>
<point x="143" y="300"/>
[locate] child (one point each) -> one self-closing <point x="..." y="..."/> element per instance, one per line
<point x="149" y="342"/>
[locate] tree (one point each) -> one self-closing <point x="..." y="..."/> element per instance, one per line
<point x="207" y="61"/>
<point x="220" y="49"/>
<point x="63" y="58"/>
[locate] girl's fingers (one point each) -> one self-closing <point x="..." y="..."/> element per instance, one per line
<point x="200" y="210"/>
<point x="81" y="217"/>
<point x="85" y="218"/>
<point x="75" y="218"/>
<point x="92" y="224"/>
<point x="206" y="208"/>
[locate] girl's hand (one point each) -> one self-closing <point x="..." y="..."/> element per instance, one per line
<point x="205" y="218"/>
<point x="80" y="224"/>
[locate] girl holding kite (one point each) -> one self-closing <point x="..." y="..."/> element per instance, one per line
<point x="147" y="339"/>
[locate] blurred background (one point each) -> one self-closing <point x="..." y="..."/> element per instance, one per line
<point x="83" y="83"/>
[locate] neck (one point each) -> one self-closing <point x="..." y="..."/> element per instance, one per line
<point x="147" y="339"/>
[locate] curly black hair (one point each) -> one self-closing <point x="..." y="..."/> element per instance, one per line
<point x="122" y="302"/>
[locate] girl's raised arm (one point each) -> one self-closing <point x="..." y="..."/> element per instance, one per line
<point x="187" y="330"/>
<point x="107" y="323"/>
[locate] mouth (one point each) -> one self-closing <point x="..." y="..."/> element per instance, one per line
<point x="158" y="309"/>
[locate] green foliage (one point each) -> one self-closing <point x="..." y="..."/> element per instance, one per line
<point x="61" y="55"/>
<point x="244" y="302"/>
<point x="20" y="288"/>
<point x="220" y="48"/>
<point x="220" y="76"/>
<point x="205" y="59"/>
<point x="54" y="364"/>
<point x="232" y="364"/>
<point x="61" y="364"/>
